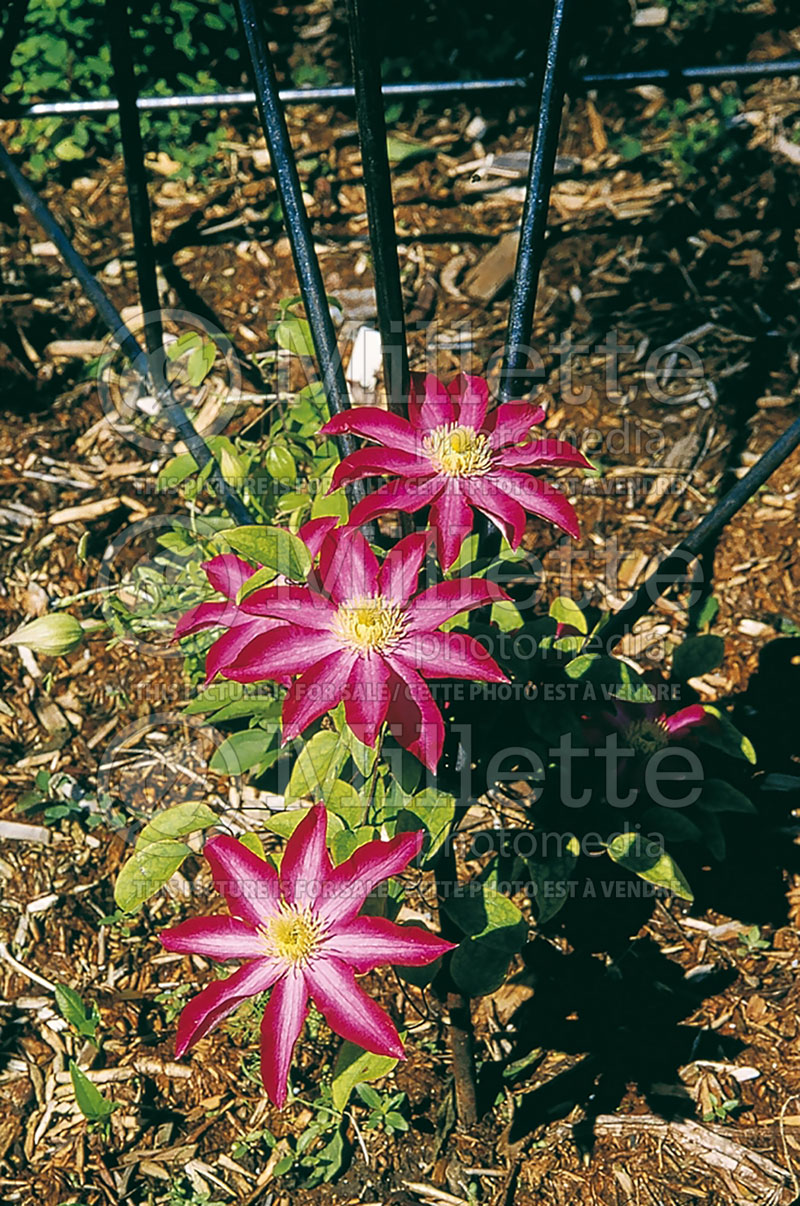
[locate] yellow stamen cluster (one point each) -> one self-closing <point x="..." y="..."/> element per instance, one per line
<point x="458" y="451"/>
<point x="369" y="624"/>
<point x="293" y="934"/>
<point x="647" y="737"/>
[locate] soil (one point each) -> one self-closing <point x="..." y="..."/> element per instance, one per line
<point x="634" y="1025"/>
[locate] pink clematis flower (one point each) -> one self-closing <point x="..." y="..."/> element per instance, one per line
<point x="358" y="633"/>
<point x="227" y="574"/>
<point x="647" y="728"/>
<point x="300" y="935"/>
<point x="454" y="454"/>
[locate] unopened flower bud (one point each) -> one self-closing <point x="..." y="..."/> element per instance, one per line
<point x="51" y="635"/>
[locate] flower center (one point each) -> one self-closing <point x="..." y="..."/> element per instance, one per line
<point x="293" y="934"/>
<point x="369" y="624"/>
<point x="458" y="451"/>
<point x="647" y="737"/>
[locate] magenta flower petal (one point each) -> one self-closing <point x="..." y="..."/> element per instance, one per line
<point x="682" y="722"/>
<point x="349" y="1011"/>
<point x="399" y="495"/>
<point x="248" y="883"/>
<point x="283" y="651"/>
<point x="314" y="532"/>
<point x="348" y="566"/>
<point x="221" y="997"/>
<point x="287" y="602"/>
<point x="542" y="452"/>
<point x="488" y="495"/>
<point x="350" y="883"/>
<point x="366" y="699"/>
<point x="472" y="398"/>
<point x="374" y="424"/>
<point x="306" y="864"/>
<point x="283" y="1020"/>
<point x="540" y="498"/>
<point x="319" y="689"/>
<point x="214" y="937"/>
<point x="414" y="719"/>
<point x="227" y="648"/>
<point x="228" y="573"/>
<point x="441" y="602"/>
<point x="435" y="408"/>
<point x="369" y="461"/>
<point x="449" y="655"/>
<point x="367" y="942"/>
<point x="451" y="516"/>
<point x="511" y="422"/>
<point x="398" y="575"/>
<point x="205" y="615"/>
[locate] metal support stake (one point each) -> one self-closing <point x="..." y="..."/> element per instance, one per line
<point x="674" y="567"/>
<point x="298" y="228"/>
<point x="380" y="206"/>
<point x="136" y="177"/>
<point x="127" y="341"/>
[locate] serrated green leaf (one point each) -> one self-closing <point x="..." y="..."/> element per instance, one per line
<point x="629" y="851"/>
<point x="317" y="767"/>
<point x="697" y="655"/>
<point x="147" y="871"/>
<point x="273" y="547"/>
<point x="177" y="822"/>
<point x="354" y="1066"/>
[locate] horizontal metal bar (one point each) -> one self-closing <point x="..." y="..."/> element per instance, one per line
<point x="674" y="567"/>
<point x="344" y="92"/>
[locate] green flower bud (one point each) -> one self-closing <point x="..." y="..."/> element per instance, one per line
<point x="52" y="635"/>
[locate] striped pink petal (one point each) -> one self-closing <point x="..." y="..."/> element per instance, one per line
<point x="409" y="495"/>
<point x="348" y="1010"/>
<point x="285" y="651"/>
<point x="439" y="603"/>
<point x="295" y="604"/>
<point x="542" y="452"/>
<point x="449" y="655"/>
<point x="348" y="566"/>
<point x="232" y="643"/>
<point x="398" y="575"/>
<point x="320" y="688"/>
<point x="510" y="422"/>
<point x="281" y="1025"/>
<point x="430" y="404"/>
<point x="314" y="532"/>
<point x="451" y="516"/>
<point x="248" y="884"/>
<point x="220" y="998"/>
<point x="228" y="573"/>
<point x="368" y="462"/>
<point x="306" y="864"/>
<point x="374" y="424"/>
<point x="539" y="498"/>
<point x="488" y="495"/>
<point x="350" y="883"/>
<point x="367" y="942"/>
<point x="366" y="699"/>
<point x="471" y="395"/>
<point x="215" y="937"/>
<point x="206" y="615"/>
<point x="414" y="719"/>
<point x="682" y="722"/>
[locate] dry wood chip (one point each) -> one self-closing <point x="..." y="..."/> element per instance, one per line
<point x="86" y="511"/>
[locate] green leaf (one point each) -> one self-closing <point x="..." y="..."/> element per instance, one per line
<point x="253" y="842"/>
<point x="707" y="613"/>
<point x="294" y="335"/>
<point x="284" y="823"/>
<point x="401" y="149"/>
<point x="214" y="697"/>
<point x="177" y="822"/>
<point x="242" y="751"/>
<point x="433" y="811"/>
<point x="73" y="1010"/>
<point x="564" y="611"/>
<point x="334" y="503"/>
<point x="201" y="361"/>
<point x="697" y="655"/>
<point x="91" y="1102"/>
<point x="317" y="767"/>
<point x="719" y="796"/>
<point x="672" y="825"/>
<point x="363" y="755"/>
<point x="505" y="615"/>
<point x="369" y="1096"/>
<point x="262" y="577"/>
<point x="343" y="800"/>
<point x="550" y="877"/>
<point x="656" y="867"/>
<point x="725" y="736"/>
<point x="274" y="547"/>
<point x="68" y="149"/>
<point x="602" y="670"/>
<point x="354" y="1066"/>
<point x="176" y="471"/>
<point x="496" y="932"/>
<point x="147" y="871"/>
<point x="280" y="463"/>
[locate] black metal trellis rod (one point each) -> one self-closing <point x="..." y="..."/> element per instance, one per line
<point x="127" y="341"/>
<point x="135" y="175"/>
<point x="662" y="76"/>
<point x="675" y="565"/>
<point x="537" y="199"/>
<point x="380" y="206"/>
<point x="298" y="227"/>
